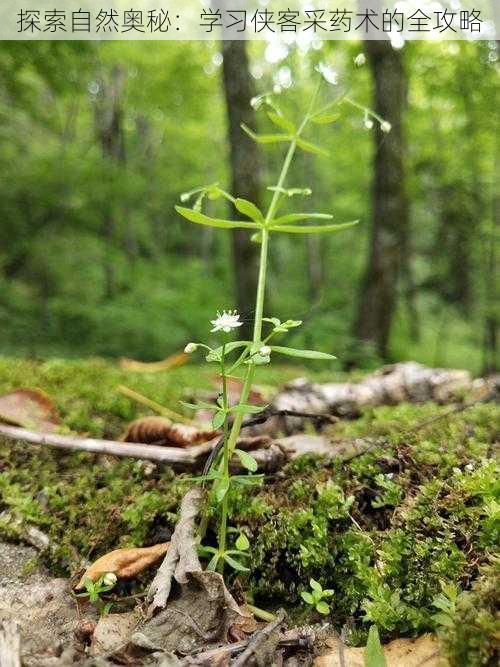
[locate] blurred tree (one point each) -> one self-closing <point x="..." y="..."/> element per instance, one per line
<point x="245" y="166"/>
<point x="388" y="242"/>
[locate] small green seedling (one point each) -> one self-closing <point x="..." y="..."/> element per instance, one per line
<point x="316" y="598"/>
<point x="94" y="590"/>
<point x="447" y="603"/>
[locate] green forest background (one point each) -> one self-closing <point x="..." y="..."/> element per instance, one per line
<point x="99" y="140"/>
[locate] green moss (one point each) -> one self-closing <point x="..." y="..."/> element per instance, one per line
<point x="383" y="531"/>
<point x="473" y="637"/>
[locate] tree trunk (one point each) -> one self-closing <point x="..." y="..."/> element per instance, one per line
<point x="245" y="167"/>
<point x="109" y="129"/>
<point x="388" y="243"/>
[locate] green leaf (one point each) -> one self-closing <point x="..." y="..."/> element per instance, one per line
<point x="248" y="480"/>
<point x="235" y="564"/>
<point x="249" y="209"/>
<point x="327" y="593"/>
<point x="307" y="597"/>
<point x="221" y="488"/>
<point x="265" y="138"/>
<point x="303" y="354"/>
<point x="247" y="461"/>
<point x="245" y="409"/>
<point x="282" y="122"/>
<point x="299" y="217"/>
<point x="218" y="419"/>
<point x="212" y="565"/>
<point x="311" y="148"/>
<point x="312" y="229"/>
<point x="323" y="608"/>
<point x="326" y="118"/>
<point x="216" y="355"/>
<point x="374" y="655"/>
<point x="315" y="585"/>
<point x="242" y="542"/>
<point x="202" y="219"/>
<point x="443" y="619"/>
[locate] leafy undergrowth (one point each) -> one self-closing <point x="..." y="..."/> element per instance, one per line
<point x="385" y="532"/>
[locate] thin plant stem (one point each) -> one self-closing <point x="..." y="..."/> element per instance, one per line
<point x="230" y="442"/>
<point x="225" y="461"/>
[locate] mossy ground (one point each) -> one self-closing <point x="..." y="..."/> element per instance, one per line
<point x="383" y="531"/>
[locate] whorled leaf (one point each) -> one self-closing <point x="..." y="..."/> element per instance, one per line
<point x="312" y="229"/>
<point x="309" y="147"/>
<point x="299" y="217"/>
<point x="202" y="219"/>
<point x="303" y="354"/>
<point x="282" y="122"/>
<point x="266" y="138"/>
<point x="249" y="209"/>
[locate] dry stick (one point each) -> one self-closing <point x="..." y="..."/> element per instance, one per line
<point x="263" y="417"/>
<point x="259" y="638"/>
<point x="181" y="457"/>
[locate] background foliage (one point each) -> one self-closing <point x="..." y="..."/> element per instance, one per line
<point x="73" y="284"/>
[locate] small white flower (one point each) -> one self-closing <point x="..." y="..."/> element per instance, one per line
<point x="226" y="322"/>
<point x="190" y="347"/>
<point x="265" y="351"/>
<point x="360" y="60"/>
<point x="368" y="123"/>
<point x="469" y="467"/>
<point x="109" y="579"/>
<point x="385" y="126"/>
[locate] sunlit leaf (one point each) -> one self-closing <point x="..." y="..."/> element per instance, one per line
<point x="326" y="118"/>
<point x="256" y="238"/>
<point x="323" y="608"/>
<point x="307" y="597"/>
<point x="310" y="147"/>
<point x="247" y="461"/>
<point x="202" y="219"/>
<point x="242" y="542"/>
<point x="212" y="565"/>
<point x="312" y="229"/>
<point x="299" y="217"/>
<point x="282" y="122"/>
<point x="249" y="209"/>
<point x="303" y="354"/>
<point x="265" y="138"/>
<point x="235" y="564"/>
<point x="315" y="585"/>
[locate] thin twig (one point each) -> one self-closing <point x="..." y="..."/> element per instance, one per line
<point x="258" y="638"/>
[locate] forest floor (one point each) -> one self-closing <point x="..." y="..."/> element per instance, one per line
<point x="405" y="535"/>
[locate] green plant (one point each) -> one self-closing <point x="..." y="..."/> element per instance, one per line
<point x="317" y="596"/>
<point x="446" y="602"/>
<point x="258" y="351"/>
<point x="374" y="654"/>
<point x="94" y="590"/>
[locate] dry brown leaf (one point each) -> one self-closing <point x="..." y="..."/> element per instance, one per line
<point x="29" y="408"/>
<point x="172" y="361"/>
<point x="423" y="650"/>
<point x="125" y="563"/>
<point x="162" y="431"/>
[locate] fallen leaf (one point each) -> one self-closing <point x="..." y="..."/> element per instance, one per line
<point x="172" y="361"/>
<point x="161" y="430"/>
<point x="112" y="632"/>
<point x="29" y="408"/>
<point x="423" y="650"/>
<point x="125" y="563"/>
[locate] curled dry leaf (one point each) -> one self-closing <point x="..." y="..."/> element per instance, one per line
<point x="172" y="361"/>
<point x="29" y="408"/>
<point x="125" y="563"/>
<point x="161" y="430"/>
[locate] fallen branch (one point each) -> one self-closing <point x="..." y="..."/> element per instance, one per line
<point x="10" y="645"/>
<point x="184" y="458"/>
